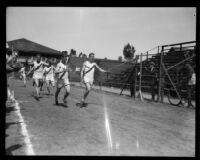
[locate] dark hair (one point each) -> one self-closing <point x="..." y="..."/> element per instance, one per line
<point x="50" y="62"/>
<point x="91" y="54"/>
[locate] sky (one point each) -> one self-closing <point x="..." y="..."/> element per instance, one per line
<point x="104" y="31"/>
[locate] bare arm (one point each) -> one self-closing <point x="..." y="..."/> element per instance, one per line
<point x="31" y="70"/>
<point x="9" y="59"/>
<point x="102" y="70"/>
<point x="46" y="64"/>
<point x="57" y="70"/>
<point x="82" y="70"/>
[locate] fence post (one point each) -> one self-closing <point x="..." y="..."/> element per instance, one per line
<point x="161" y="89"/>
<point x="135" y="80"/>
<point x="159" y="84"/>
<point x="160" y="75"/>
<point x="140" y="81"/>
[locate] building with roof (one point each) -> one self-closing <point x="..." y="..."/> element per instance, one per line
<point x="27" y="49"/>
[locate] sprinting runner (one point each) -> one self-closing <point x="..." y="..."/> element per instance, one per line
<point x="62" y="70"/>
<point x="43" y="75"/>
<point x="42" y="80"/>
<point x="23" y="74"/>
<point x="49" y="75"/>
<point x="87" y="76"/>
<point x="38" y="74"/>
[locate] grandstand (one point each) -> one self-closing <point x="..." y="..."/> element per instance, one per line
<point x="119" y="78"/>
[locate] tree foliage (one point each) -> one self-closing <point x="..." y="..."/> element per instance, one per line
<point x="120" y="58"/>
<point x="128" y="52"/>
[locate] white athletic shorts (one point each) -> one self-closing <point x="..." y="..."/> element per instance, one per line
<point x="38" y="76"/>
<point x="62" y="82"/>
<point x="88" y="80"/>
<point x="49" y="78"/>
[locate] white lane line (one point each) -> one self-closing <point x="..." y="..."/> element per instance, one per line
<point x="28" y="146"/>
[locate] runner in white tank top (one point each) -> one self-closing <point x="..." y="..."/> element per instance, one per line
<point x="38" y="70"/>
<point x="49" y="75"/>
<point x="63" y="79"/>
<point x="23" y="74"/>
<point x="87" y="75"/>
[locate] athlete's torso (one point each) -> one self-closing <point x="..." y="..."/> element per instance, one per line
<point x="49" y="71"/>
<point x="64" y="74"/>
<point x="88" y="65"/>
<point x="39" y="67"/>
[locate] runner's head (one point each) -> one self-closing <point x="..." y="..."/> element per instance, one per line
<point x="38" y="58"/>
<point x="91" y="57"/>
<point x="65" y="59"/>
<point x="49" y="63"/>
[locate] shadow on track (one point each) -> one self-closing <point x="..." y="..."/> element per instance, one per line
<point x="8" y="124"/>
<point x="10" y="149"/>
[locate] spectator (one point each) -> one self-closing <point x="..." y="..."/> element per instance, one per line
<point x="191" y="81"/>
<point x="155" y="81"/>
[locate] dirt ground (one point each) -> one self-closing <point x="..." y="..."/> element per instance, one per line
<point x="136" y="128"/>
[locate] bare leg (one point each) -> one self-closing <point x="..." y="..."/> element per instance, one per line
<point x="24" y="77"/>
<point x="41" y="85"/>
<point x="37" y="88"/>
<point x="67" y="91"/>
<point x="53" y="85"/>
<point x="56" y="95"/>
<point x="48" y="86"/>
<point x="87" y="91"/>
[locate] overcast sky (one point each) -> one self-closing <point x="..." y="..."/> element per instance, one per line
<point x="103" y="31"/>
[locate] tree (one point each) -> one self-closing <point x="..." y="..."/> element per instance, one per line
<point x="128" y="52"/>
<point x="120" y="58"/>
<point x="105" y="58"/>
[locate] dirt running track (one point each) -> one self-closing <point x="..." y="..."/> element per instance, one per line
<point x="137" y="128"/>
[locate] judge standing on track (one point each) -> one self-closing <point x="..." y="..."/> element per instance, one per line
<point x="87" y="76"/>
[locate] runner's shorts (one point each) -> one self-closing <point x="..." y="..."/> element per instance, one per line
<point x="62" y="82"/>
<point x="38" y="76"/>
<point x="88" y="80"/>
<point x="49" y="78"/>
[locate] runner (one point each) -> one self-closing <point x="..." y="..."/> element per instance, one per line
<point x="63" y="79"/>
<point x="87" y="76"/>
<point x="43" y="75"/>
<point x="49" y="75"/>
<point x="22" y="74"/>
<point x="38" y="74"/>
